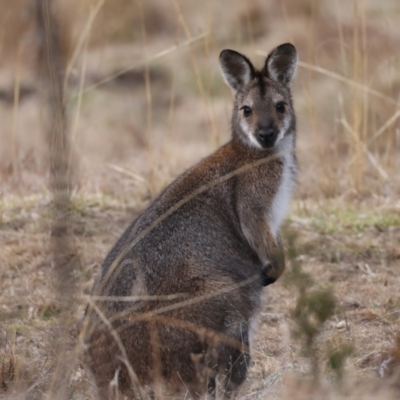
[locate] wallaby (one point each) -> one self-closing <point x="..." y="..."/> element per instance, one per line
<point x="171" y="309"/>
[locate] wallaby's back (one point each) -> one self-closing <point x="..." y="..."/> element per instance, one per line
<point x="177" y="292"/>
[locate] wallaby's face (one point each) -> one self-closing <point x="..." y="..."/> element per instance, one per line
<point x="263" y="113"/>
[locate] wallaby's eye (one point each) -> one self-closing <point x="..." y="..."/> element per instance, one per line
<point x="246" y="110"/>
<point x="280" y="107"/>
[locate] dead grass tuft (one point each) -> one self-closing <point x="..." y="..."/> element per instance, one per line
<point x="9" y="364"/>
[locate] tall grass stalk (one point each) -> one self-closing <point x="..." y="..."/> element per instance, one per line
<point x="213" y="130"/>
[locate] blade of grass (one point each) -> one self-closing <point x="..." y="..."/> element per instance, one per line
<point x="83" y="37"/>
<point x="156" y="56"/>
<point x="210" y="117"/>
<point x="339" y="78"/>
<point x="364" y="148"/>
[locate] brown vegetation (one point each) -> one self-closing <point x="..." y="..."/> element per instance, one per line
<point x="144" y="100"/>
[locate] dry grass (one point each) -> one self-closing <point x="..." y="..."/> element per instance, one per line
<point x="344" y="247"/>
<point x="145" y="101"/>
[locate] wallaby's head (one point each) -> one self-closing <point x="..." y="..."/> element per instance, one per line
<point x="263" y="113"/>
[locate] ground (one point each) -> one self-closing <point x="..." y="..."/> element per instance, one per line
<point x="351" y="248"/>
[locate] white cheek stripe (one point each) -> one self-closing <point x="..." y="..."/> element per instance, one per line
<point x="252" y="140"/>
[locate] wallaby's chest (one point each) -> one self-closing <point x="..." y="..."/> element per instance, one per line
<point x="283" y="194"/>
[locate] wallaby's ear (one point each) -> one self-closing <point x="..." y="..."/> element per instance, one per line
<point x="281" y="64"/>
<point x="237" y="69"/>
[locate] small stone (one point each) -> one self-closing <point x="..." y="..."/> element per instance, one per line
<point x="350" y="303"/>
<point x="341" y="326"/>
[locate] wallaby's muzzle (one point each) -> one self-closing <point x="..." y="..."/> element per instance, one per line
<point x="267" y="137"/>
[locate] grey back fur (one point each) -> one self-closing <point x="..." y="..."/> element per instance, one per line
<point x="172" y="304"/>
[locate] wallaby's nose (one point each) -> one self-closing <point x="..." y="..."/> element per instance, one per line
<point x="267" y="136"/>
